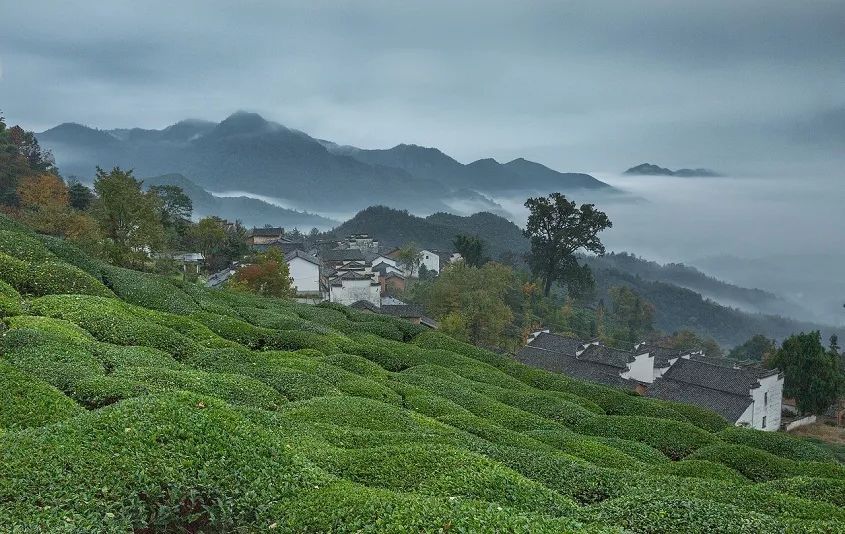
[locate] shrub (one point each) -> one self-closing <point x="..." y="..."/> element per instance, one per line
<point x="817" y="489"/>
<point x="753" y="463"/>
<point x="591" y="450"/>
<point x="642" y="452"/>
<point x="28" y="402"/>
<point x="295" y="340"/>
<point x="356" y="364"/>
<point x="442" y="470"/>
<point x="673" y="438"/>
<point x="56" y="328"/>
<point x="237" y="389"/>
<point x="11" y="225"/>
<point x="117" y="357"/>
<point x="60" y="278"/>
<point x="71" y="254"/>
<point x="112" y="321"/>
<point x="196" y="464"/>
<point x="99" y="391"/>
<point x="701" y="469"/>
<point x="777" y="443"/>
<point x="639" y="513"/>
<point x="147" y="290"/>
<point x="52" y="359"/>
<point x="13" y="271"/>
<point x="10" y="300"/>
<point x="24" y="247"/>
<point x="292" y="383"/>
<point x="700" y="417"/>
<point x="234" y="329"/>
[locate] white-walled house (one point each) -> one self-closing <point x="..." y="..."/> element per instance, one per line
<point x="431" y="260"/>
<point x="304" y="272"/>
<point x="351" y="286"/>
<point x="749" y="397"/>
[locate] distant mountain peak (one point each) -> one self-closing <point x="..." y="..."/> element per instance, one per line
<point x="244" y="123"/>
<point x="649" y="169"/>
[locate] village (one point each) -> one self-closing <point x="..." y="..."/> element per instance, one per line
<point x="358" y="272"/>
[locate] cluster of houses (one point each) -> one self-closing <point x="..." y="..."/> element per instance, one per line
<point x="356" y="271"/>
<point x="741" y="392"/>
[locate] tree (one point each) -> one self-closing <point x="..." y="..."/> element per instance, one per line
<point x="410" y="258"/>
<point x="208" y="237"/>
<point x="471" y="249"/>
<point x="175" y="209"/>
<point x="632" y="316"/>
<point x="80" y="196"/>
<point x="558" y="228"/>
<point x="470" y="302"/>
<point x="758" y="348"/>
<point x="127" y="217"/>
<point x="269" y="275"/>
<point x="811" y="374"/>
<point x="20" y="156"/>
<point x="43" y="200"/>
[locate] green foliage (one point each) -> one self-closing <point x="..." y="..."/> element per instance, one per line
<point x="27" y="402"/>
<point x="239" y="412"/>
<point x="557" y="229"/>
<point x="13" y="271"/>
<point x="10" y="300"/>
<point x="812" y="375"/>
<point x="673" y="438"/>
<point x="758" y="348"/>
<point x="61" y="278"/>
<point x="24" y="247"/>
<point x="147" y="290"/>
<point x="70" y="253"/>
<point x="777" y="443"/>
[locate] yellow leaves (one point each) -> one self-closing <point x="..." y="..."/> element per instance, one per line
<point x="43" y="191"/>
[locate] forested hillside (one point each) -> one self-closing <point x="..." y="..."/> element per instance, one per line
<point x="436" y="232"/>
<point x="677" y="308"/>
<point x="133" y="402"/>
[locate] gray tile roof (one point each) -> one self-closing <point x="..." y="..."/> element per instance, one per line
<point x="715" y="377"/>
<point x="297" y="253"/>
<point x="402" y="310"/>
<point x="266" y="232"/>
<point x="607" y="356"/>
<point x="557" y="343"/>
<point x="729" y="405"/>
<point x="571" y="366"/>
<point x="662" y="355"/>
<point x="342" y="254"/>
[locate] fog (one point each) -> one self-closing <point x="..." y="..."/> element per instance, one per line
<point x="784" y="234"/>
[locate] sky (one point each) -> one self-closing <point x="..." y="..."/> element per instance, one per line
<point x="746" y="87"/>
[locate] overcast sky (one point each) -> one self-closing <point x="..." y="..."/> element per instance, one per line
<point x="593" y="86"/>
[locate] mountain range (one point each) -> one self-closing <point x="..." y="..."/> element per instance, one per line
<point x="250" y="211"/>
<point x="648" y="169"/>
<point x="247" y="153"/>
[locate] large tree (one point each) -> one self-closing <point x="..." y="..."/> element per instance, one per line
<point x="758" y="348"/>
<point x="79" y="195"/>
<point x="128" y="217"/>
<point x="558" y="228"/>
<point x="20" y="156"/>
<point x="471" y="249"/>
<point x="175" y="209"/>
<point x="811" y="374"/>
<point x="471" y="302"/>
<point x="269" y="275"/>
<point x="410" y="257"/>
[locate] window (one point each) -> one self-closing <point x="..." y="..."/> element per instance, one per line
<point x="766" y="398"/>
<point x="764" y="422"/>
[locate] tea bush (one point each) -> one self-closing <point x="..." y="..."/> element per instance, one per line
<point x="673" y="438"/>
<point x="147" y="290"/>
<point x="13" y="271"/>
<point x="70" y="253"/>
<point x="10" y="300"/>
<point x="28" y="402"/>
<point x="24" y="247"/>
<point x="776" y="443"/>
<point x="50" y="278"/>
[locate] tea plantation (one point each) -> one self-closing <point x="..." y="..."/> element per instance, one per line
<point x="131" y="402"/>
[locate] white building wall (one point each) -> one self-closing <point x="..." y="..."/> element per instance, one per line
<point x="746" y="419"/>
<point x="305" y="275"/>
<point x="767" y="403"/>
<point x="430" y="260"/>
<point x="641" y="369"/>
<point x="354" y="290"/>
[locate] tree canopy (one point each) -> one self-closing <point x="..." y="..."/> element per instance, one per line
<point x="558" y="228"/>
<point x="812" y="375"/>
